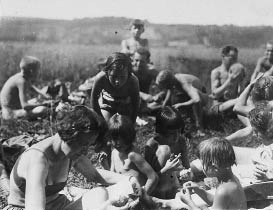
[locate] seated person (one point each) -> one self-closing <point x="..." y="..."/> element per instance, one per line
<point x="14" y="93"/>
<point x="226" y="82"/>
<point x="124" y="158"/>
<point x="265" y="63"/>
<point x="184" y="90"/>
<point x="158" y="150"/>
<point x="116" y="89"/>
<point x="41" y="172"/>
<point x="257" y="92"/>
<point x="129" y="46"/>
<point x="217" y="156"/>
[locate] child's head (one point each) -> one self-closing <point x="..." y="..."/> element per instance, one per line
<point x="261" y="120"/>
<point x="140" y="59"/>
<point x="30" y="66"/>
<point x="216" y="153"/>
<point x="165" y="79"/>
<point x="168" y="119"/>
<point x="137" y="28"/>
<point x="118" y="69"/>
<point x="269" y="50"/>
<point x="238" y="71"/>
<point x="121" y="132"/>
<point x="263" y="89"/>
<point x="229" y="54"/>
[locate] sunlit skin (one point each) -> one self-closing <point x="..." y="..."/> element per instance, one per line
<point x="264" y="63"/>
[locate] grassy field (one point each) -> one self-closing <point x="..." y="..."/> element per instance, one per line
<point x="75" y="63"/>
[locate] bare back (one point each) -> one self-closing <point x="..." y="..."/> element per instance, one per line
<point x="10" y="92"/>
<point x="189" y="80"/>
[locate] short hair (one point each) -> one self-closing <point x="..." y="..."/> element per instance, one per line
<point x="226" y="49"/>
<point x="168" y="118"/>
<point x="72" y="121"/>
<point x="263" y="89"/>
<point x="216" y="151"/>
<point x="165" y="79"/>
<point x="136" y="22"/>
<point x="144" y="52"/>
<point x="121" y="126"/>
<point x="29" y="62"/>
<point x="260" y="117"/>
<point x="118" y="60"/>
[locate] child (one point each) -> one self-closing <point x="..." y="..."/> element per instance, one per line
<point x="217" y="157"/>
<point x="124" y="158"/>
<point x="184" y="90"/>
<point x="129" y="46"/>
<point x="118" y="88"/>
<point x="14" y="92"/>
<point x="158" y="150"/>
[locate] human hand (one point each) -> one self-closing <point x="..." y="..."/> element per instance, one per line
<point x="259" y="172"/>
<point x="192" y="186"/>
<point x="176" y="106"/>
<point x="173" y="164"/>
<point x="184" y="195"/>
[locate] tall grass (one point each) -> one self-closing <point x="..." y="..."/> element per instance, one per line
<point x="75" y="63"/>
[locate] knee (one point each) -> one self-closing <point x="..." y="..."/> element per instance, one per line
<point x="164" y="151"/>
<point x="40" y="110"/>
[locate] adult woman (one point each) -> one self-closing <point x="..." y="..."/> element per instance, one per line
<point x="41" y="172"/>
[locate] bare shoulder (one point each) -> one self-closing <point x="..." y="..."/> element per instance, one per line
<point x="227" y="190"/>
<point x="216" y="71"/>
<point x="262" y="60"/>
<point x="152" y="142"/>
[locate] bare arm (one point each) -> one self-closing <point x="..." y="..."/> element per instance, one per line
<point x="146" y="169"/>
<point x="192" y="93"/>
<point x="36" y="175"/>
<point x="257" y="69"/>
<point x="95" y="94"/>
<point x="124" y="47"/>
<point x="22" y="88"/>
<point x="241" y="106"/>
<point x="216" y="88"/>
<point x="84" y="166"/>
<point x="167" y="97"/>
<point x="37" y="90"/>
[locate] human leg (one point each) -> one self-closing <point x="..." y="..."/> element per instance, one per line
<point x="227" y="105"/>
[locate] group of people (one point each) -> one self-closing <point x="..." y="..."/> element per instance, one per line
<point x="154" y="178"/>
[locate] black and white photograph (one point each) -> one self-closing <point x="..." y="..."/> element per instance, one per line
<point x="136" y="104"/>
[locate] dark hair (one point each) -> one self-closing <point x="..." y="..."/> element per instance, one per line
<point x="168" y="118"/>
<point x="122" y="126"/>
<point x="118" y="60"/>
<point x="144" y="52"/>
<point x="226" y="49"/>
<point x="137" y="22"/>
<point x="79" y="119"/>
<point x="263" y="89"/>
<point x="260" y="117"/>
<point x="165" y="79"/>
<point x="216" y="151"/>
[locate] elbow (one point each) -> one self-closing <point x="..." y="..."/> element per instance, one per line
<point x="154" y="178"/>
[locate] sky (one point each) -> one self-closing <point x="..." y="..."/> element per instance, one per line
<point x="201" y="12"/>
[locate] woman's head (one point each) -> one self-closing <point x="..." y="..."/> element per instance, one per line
<point x="122" y="132"/>
<point x="118" y="69"/>
<point x="216" y="153"/>
<point x="165" y="79"/>
<point x="263" y="89"/>
<point x="168" y="119"/>
<point x="77" y="125"/>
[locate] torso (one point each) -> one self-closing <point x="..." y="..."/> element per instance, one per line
<point x="10" y="93"/>
<point x="133" y="45"/>
<point x="265" y="64"/>
<point x="232" y="91"/>
<point x="123" y="165"/>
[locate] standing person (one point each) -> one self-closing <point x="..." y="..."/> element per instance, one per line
<point x="217" y="156"/>
<point x="158" y="151"/>
<point x="125" y="159"/>
<point x="14" y="93"/>
<point x="226" y="82"/>
<point x="264" y="63"/>
<point x="129" y="46"/>
<point x="41" y="172"/>
<point x="117" y="88"/>
<point x="184" y="90"/>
